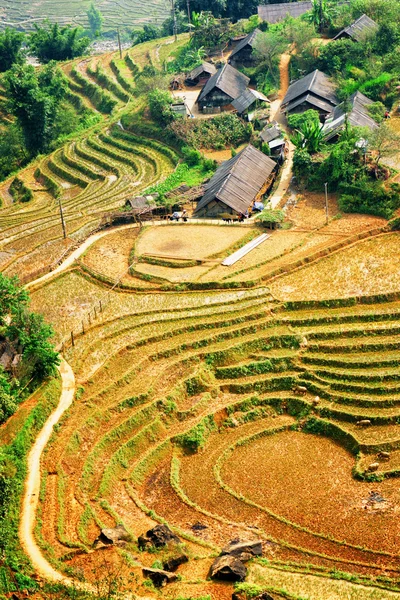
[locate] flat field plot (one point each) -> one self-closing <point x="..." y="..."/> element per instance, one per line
<point x="368" y="267"/>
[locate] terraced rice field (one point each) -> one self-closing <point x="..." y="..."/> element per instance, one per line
<point x="164" y="368"/>
<point x="121" y="13"/>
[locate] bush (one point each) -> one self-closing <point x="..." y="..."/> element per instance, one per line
<point x="371" y="198"/>
<point x="220" y="132"/>
<point x="297" y="121"/>
<point x="377" y="111"/>
<point x="195" y="438"/>
<point x="19" y="191"/>
<point x="160" y="107"/>
<point x="192" y="157"/>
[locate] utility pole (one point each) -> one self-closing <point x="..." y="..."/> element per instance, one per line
<point x="119" y="43"/>
<point x="175" y="26"/>
<point x="189" y="18"/>
<point x="320" y="16"/>
<point x="326" y="202"/>
<point x="62" y="219"/>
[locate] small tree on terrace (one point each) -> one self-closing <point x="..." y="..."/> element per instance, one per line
<point x="267" y="48"/>
<point x="384" y="141"/>
<point x="52" y="42"/>
<point x="10" y="48"/>
<point x="95" y="19"/>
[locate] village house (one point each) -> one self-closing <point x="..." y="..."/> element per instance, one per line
<point x="222" y="89"/>
<point x="237" y="184"/>
<point x="201" y="74"/>
<point x="274" y="13"/>
<point x="315" y="91"/>
<point x="359" y="30"/>
<point x="356" y="115"/>
<point x="242" y="55"/>
<point x="274" y="137"/>
<point x="248" y="102"/>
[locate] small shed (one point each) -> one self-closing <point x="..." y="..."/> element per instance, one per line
<point x="237" y="184"/>
<point x="180" y="108"/>
<point x="315" y="90"/>
<point x="242" y="55"/>
<point x="222" y="89"/>
<point x="274" y="13"/>
<point x="357" y="115"/>
<point x="359" y="30"/>
<point x="273" y="136"/>
<point x="201" y="74"/>
<point x="249" y="101"/>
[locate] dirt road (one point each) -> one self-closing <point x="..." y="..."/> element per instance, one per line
<point x="32" y="484"/>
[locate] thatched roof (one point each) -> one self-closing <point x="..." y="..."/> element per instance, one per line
<point x="249" y="40"/>
<point x="316" y="88"/>
<point x="358" y="116"/>
<point x="362" y="27"/>
<point x="273" y="13"/>
<point x="205" y="67"/>
<point x="247" y="99"/>
<point x="227" y="79"/>
<point x="237" y="181"/>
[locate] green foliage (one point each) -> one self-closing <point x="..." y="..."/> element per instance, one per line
<point x="148" y="33"/>
<point x="160" y="107"/>
<point x="309" y="137"/>
<point x="302" y="164"/>
<point x="369" y="197"/>
<point x="13" y="154"/>
<point x="225" y="130"/>
<point x="209" y="32"/>
<point x="270" y="215"/>
<point x="101" y="99"/>
<point x="191" y="155"/>
<point x="52" y="42"/>
<point x="268" y="47"/>
<point x="196" y="438"/>
<point x="11" y="52"/>
<point x="184" y="174"/>
<point x="296" y="121"/>
<point x="12" y="297"/>
<point x="377" y="111"/>
<point x="19" y="191"/>
<point x="34" y="99"/>
<point x="95" y="19"/>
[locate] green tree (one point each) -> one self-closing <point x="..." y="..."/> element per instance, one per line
<point x="13" y="154"/>
<point x="160" y="106"/>
<point x="309" y="137"/>
<point x="52" y="42"/>
<point x="11" y="52"/>
<point x="384" y="142"/>
<point x="217" y="7"/>
<point x="267" y="49"/>
<point x="209" y="32"/>
<point x="12" y="297"/>
<point x="34" y="99"/>
<point x="95" y="19"/>
<point x="321" y="14"/>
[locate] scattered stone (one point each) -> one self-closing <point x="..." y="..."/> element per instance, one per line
<point x="117" y="536"/>
<point x="174" y="562"/>
<point x="159" y="536"/>
<point x="300" y="389"/>
<point x="243" y="550"/>
<point x="363" y="423"/>
<point x="159" y="577"/>
<point x="316" y="401"/>
<point x="383" y="456"/>
<point x="198" y="526"/>
<point x="373" y="467"/>
<point x="228" y="568"/>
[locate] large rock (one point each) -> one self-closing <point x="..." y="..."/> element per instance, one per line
<point x="158" y="576"/>
<point x="228" y="568"/>
<point x="243" y="550"/>
<point x="159" y="536"/>
<point x="117" y="536"/>
<point x="174" y="562"/>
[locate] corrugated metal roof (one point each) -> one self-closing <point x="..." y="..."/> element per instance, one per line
<point x="311" y="99"/>
<point x="238" y="181"/>
<point x="227" y="79"/>
<point x="273" y="13"/>
<point x="270" y="133"/>
<point x="247" y="41"/>
<point x="316" y="83"/>
<point x="357" y="117"/>
<point x="205" y="67"/>
<point x="248" y="98"/>
<point x="359" y="29"/>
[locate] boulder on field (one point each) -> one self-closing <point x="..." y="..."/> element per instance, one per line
<point x="159" y="577"/>
<point x="363" y="423"/>
<point x="243" y="550"/>
<point x="117" y="536"/>
<point x="159" y="536"/>
<point x="383" y="456"/>
<point x="373" y="467"/>
<point x="174" y="562"/>
<point x="228" y="568"/>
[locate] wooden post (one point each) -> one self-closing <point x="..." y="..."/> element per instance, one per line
<point x="101" y="306"/>
<point x="95" y="313"/>
<point x="72" y="338"/>
<point x="83" y="327"/>
<point x="89" y="319"/>
<point x="62" y="219"/>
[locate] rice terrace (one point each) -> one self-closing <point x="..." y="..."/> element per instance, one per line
<point x="200" y="300"/>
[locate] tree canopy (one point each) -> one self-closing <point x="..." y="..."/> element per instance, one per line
<point x="52" y="42"/>
<point x="95" y="19"/>
<point x="11" y="52"/>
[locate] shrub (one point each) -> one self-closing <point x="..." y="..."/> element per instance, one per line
<point x="195" y="438"/>
<point x="309" y="116"/>
<point x="220" y="132"/>
<point x="160" y="107"/>
<point x="371" y="198"/>
<point x="191" y="155"/>
<point x="19" y="191"/>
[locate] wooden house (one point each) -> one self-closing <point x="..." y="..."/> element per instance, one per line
<point x="362" y="28"/>
<point x="201" y="74"/>
<point x="274" y="137"/>
<point x="315" y="91"/>
<point x="242" y="55"/>
<point x="356" y="115"/>
<point x="222" y="89"/>
<point x="249" y="101"/>
<point x="237" y="184"/>
<point x="274" y="13"/>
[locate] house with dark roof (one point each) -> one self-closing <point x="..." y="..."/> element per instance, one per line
<point x="242" y="55"/>
<point x="361" y="28"/>
<point x="355" y="112"/>
<point x="274" y="137"/>
<point x="274" y="13"/>
<point x="201" y="74"/>
<point x="249" y="101"/>
<point x="222" y="89"/>
<point x="315" y="91"/>
<point x="237" y="184"/>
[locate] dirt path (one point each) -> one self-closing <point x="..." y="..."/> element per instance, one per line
<point x="276" y="115"/>
<point x="32" y="483"/>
